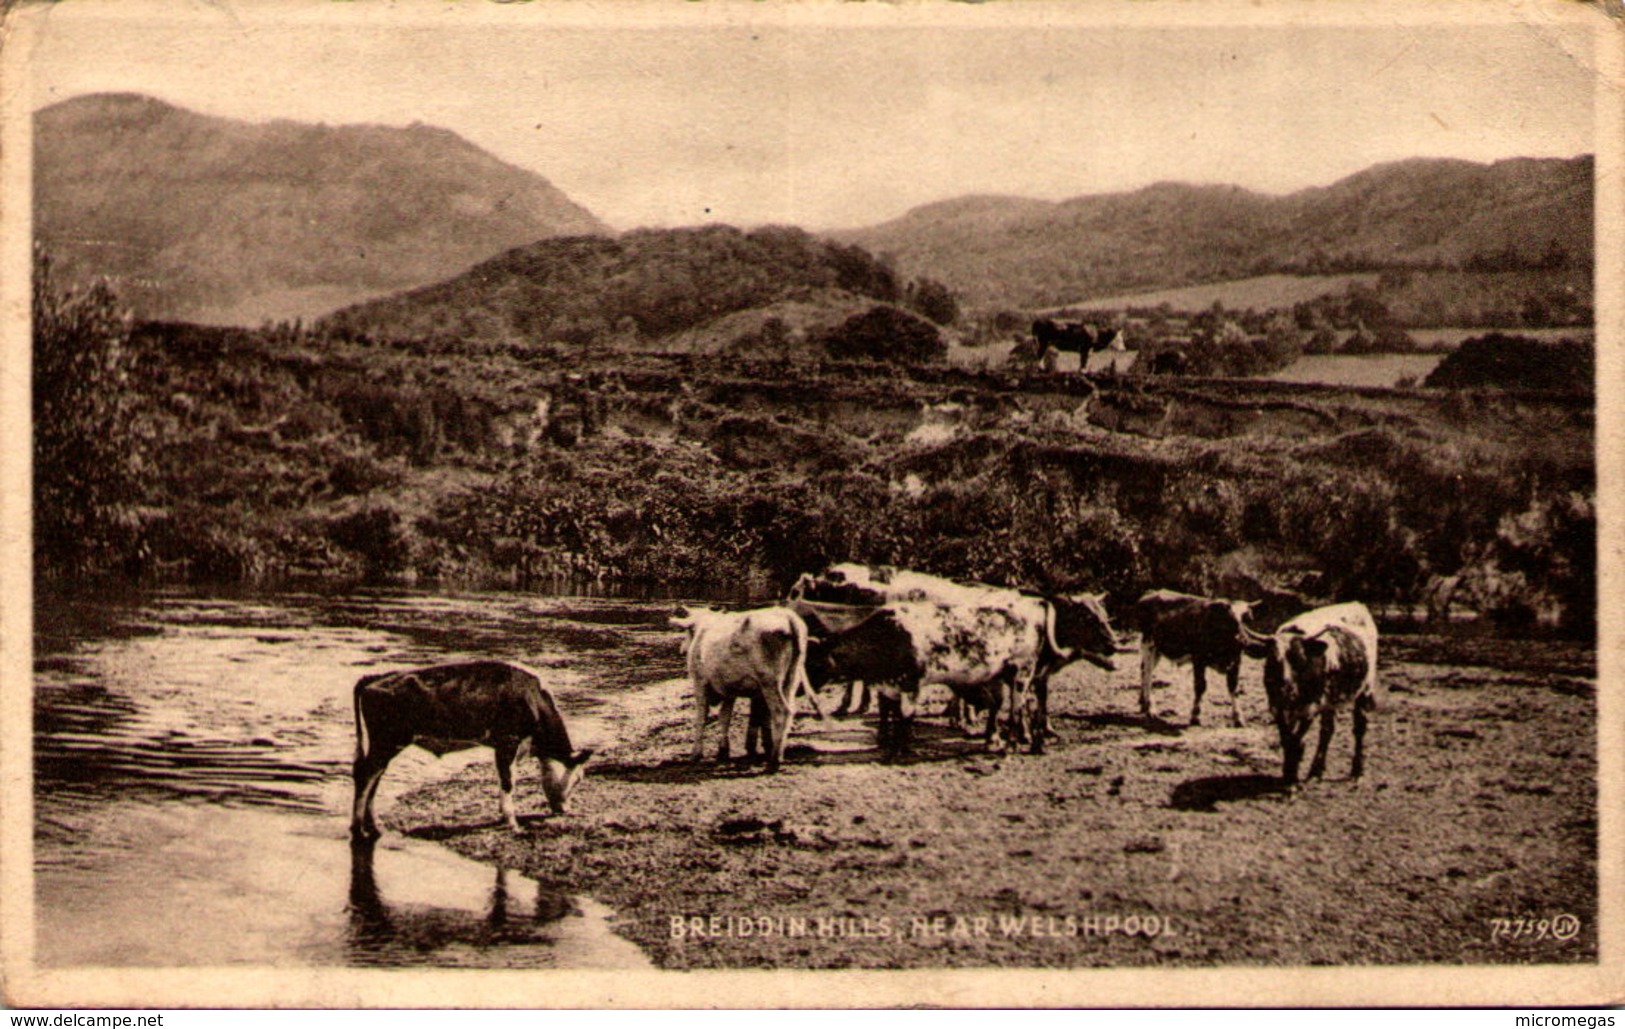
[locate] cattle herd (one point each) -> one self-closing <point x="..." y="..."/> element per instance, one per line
<point x="892" y="632"/>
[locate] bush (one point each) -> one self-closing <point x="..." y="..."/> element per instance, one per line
<point x="89" y="443"/>
<point x="377" y="535"/>
<point x="1517" y="362"/>
<point x="885" y="333"/>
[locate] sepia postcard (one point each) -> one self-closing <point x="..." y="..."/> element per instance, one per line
<point x="1145" y="474"/>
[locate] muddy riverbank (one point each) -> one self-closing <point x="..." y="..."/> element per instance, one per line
<point x="1130" y="843"/>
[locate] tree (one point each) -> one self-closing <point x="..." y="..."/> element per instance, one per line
<point x="933" y="300"/>
<point x="88" y="446"/>
<point x="885" y="333"/>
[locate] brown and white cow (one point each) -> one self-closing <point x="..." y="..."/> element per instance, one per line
<point x="1071" y="627"/>
<point x="1199" y="631"/>
<point x="760" y="655"/>
<point x="450" y="707"/>
<point x="993" y="655"/>
<point x="1314" y="664"/>
<point x="845" y="593"/>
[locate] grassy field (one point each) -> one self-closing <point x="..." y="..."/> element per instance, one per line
<point x="1263" y="291"/>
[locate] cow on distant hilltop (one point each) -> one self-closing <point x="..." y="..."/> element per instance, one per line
<point x="1075" y="337"/>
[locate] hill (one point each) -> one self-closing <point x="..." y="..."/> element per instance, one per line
<point x="226" y="221"/>
<point x="708" y="289"/>
<point x="1419" y="213"/>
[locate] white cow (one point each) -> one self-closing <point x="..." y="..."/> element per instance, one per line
<point x="760" y="655"/>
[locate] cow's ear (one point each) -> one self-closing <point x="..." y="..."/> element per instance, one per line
<point x="1315" y="646"/>
<point x="581" y="757"/>
<point x="1255" y="645"/>
<point x="682" y="619"/>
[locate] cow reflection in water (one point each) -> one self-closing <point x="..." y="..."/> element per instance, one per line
<point x="385" y="933"/>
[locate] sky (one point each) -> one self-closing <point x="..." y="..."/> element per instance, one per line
<point x="840" y="115"/>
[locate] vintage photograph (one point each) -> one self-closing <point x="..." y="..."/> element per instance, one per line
<point x="1132" y="470"/>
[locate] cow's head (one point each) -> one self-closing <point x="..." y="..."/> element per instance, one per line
<point x="1294" y="677"/>
<point x="559" y="779"/>
<point x="1084" y="630"/>
<point x="804" y="582"/>
<point x="686" y="619"/>
<point x="1230" y="617"/>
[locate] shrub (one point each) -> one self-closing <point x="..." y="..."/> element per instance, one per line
<point x="89" y="443"/>
<point x="885" y="333"/>
<point x="377" y="536"/>
<point x="1517" y="362"/>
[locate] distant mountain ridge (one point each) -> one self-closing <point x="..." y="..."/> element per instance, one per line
<point x="195" y="216"/>
<point x="1032" y="253"/>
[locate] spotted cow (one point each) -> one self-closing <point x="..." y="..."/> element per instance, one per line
<point x="1318" y="662"/>
<point x="1070" y="627"/>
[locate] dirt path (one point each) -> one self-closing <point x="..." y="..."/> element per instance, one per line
<point x="1129" y="843"/>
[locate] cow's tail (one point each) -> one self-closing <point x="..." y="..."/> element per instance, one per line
<point x="795" y="677"/>
<point x="361" y="739"/>
<point x="1050" y="639"/>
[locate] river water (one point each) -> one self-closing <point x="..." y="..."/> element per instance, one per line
<point x="192" y="779"/>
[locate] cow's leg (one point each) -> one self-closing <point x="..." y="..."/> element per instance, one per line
<point x="886" y="725"/>
<point x="845" y="705"/>
<point x="805" y="689"/>
<point x="1040" y="720"/>
<point x="1148" y="664"/>
<point x="725" y="717"/>
<point x="1041" y="728"/>
<point x="864" y="694"/>
<point x="507" y="750"/>
<point x="753" y="730"/>
<point x="1362" y="708"/>
<point x="1198" y="687"/>
<point x="894" y="723"/>
<point x="368" y="772"/>
<point x="997" y="692"/>
<point x="907" y="706"/>
<point x="1291" y="754"/>
<point x="1328" y="722"/>
<point x="780" y="705"/>
<point x="1232" y="679"/>
<point x="702" y="708"/>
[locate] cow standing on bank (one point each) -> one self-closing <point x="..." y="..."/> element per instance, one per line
<point x="1065" y="628"/>
<point x="1204" y="632"/>
<point x="455" y="707"/>
<point x="1314" y="664"/>
<point x="759" y="655"/>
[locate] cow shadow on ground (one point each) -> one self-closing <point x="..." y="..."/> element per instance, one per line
<point x="930" y="743"/>
<point x="1119" y="720"/>
<point x="681" y="770"/>
<point x="1202" y="794"/>
<point x="442" y="832"/>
